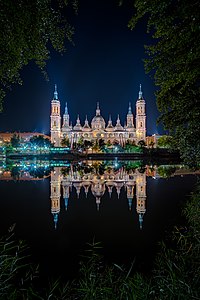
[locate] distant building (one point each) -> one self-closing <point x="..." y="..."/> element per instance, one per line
<point x="134" y="130"/>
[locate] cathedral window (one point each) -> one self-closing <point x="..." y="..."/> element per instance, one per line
<point x="140" y="124"/>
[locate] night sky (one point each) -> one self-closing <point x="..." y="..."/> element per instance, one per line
<point x="104" y="65"/>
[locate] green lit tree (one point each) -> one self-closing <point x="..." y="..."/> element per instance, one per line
<point x="80" y="143"/>
<point x="165" y="141"/>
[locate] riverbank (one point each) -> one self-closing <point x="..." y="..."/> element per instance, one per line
<point x="147" y="155"/>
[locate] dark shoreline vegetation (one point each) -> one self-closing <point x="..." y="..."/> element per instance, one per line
<point x="175" y="273"/>
<point x="159" y="153"/>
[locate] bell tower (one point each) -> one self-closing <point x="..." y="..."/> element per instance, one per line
<point x="55" y="119"/>
<point x="66" y="117"/>
<point x="140" y="117"/>
<point x="55" y="194"/>
<point x="141" y="196"/>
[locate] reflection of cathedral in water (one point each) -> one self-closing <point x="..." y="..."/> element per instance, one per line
<point x="133" y="182"/>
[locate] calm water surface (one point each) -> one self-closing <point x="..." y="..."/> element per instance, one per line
<point x="59" y="207"/>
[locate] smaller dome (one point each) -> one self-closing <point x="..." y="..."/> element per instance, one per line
<point x="98" y="121"/>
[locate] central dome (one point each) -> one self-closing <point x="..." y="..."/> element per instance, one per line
<point x="98" y="121"/>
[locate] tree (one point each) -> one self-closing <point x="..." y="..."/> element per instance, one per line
<point x="142" y="143"/>
<point x="108" y="144"/>
<point x="15" y="140"/>
<point x="28" y="28"/>
<point x="95" y="146"/>
<point x="101" y="144"/>
<point x="166" y="171"/>
<point x="165" y="141"/>
<point x="174" y="61"/>
<point x="40" y="141"/>
<point x="87" y="144"/>
<point x="65" y="142"/>
<point x="80" y="143"/>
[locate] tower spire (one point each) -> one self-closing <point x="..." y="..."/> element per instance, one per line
<point x="55" y="93"/>
<point x="66" y="109"/>
<point x="86" y="125"/>
<point x="140" y="92"/>
<point x="129" y="109"/>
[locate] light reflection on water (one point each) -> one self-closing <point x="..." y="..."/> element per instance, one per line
<point x="58" y="207"/>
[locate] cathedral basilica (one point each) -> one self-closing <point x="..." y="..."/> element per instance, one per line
<point x="134" y="129"/>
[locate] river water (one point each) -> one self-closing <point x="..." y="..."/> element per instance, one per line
<point x="59" y="207"/>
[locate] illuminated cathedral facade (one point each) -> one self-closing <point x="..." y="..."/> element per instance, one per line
<point x="134" y="129"/>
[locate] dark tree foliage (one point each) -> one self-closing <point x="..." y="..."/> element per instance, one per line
<point x="65" y="142"/>
<point x="174" y="61"/>
<point x="28" y="28"/>
<point x="40" y="141"/>
<point x="15" y="140"/>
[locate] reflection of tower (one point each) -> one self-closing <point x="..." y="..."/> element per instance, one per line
<point x="55" y="119"/>
<point x="55" y="194"/>
<point x="98" y="190"/>
<point x="130" y="193"/>
<point x="141" y="196"/>
<point x="140" y="117"/>
<point x="66" y="188"/>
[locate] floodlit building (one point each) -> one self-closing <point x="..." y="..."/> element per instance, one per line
<point x="134" y="129"/>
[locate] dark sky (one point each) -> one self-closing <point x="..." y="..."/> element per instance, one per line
<point x="105" y="65"/>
